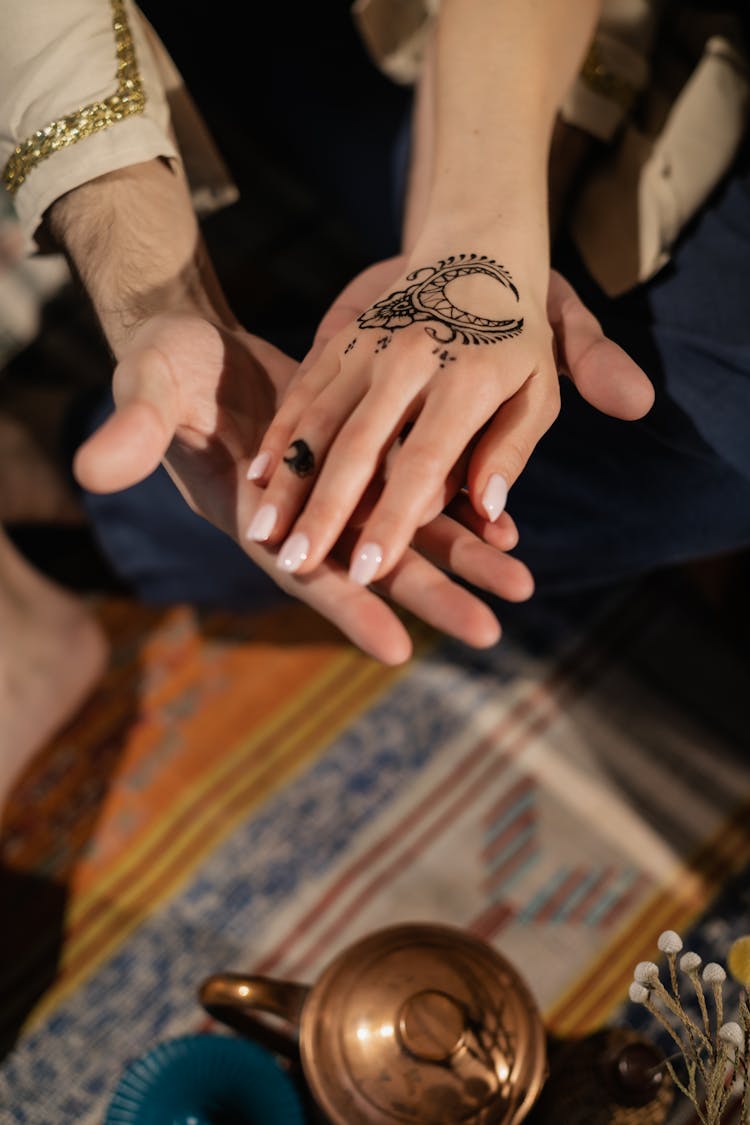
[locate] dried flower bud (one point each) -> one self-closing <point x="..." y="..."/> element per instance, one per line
<point x="689" y="962"/>
<point x="732" y="1034"/>
<point x="669" y="942"/>
<point x="637" y="993"/>
<point x="714" y="974"/>
<point x="646" y="972"/>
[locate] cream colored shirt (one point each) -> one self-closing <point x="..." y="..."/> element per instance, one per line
<point x="86" y="87"/>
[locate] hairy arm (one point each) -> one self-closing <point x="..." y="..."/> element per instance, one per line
<point x="133" y="239"/>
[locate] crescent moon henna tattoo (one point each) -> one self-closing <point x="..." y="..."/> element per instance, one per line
<point x="300" y="458"/>
<point x="427" y="300"/>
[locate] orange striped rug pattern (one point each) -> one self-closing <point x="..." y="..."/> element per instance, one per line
<point x="233" y="798"/>
<point x="196" y="724"/>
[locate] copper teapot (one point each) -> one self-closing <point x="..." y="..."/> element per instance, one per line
<point x="421" y="1024"/>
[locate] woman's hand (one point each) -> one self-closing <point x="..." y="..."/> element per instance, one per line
<point x="432" y="361"/>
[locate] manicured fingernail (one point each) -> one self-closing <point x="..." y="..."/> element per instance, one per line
<point x="294" y="552"/>
<point x="263" y="523"/>
<point x="365" y="563"/>
<point x="258" y="466"/>
<point x="495" y="496"/>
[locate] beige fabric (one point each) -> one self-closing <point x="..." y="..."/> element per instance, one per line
<point x="55" y="58"/>
<point x="395" y="33"/>
<point x="672" y="132"/>
<point x="618" y="64"/>
<point x="632" y="209"/>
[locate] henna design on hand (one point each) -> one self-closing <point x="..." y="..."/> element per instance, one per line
<point x="427" y="300"/>
<point x="300" y="458"/>
<point x="444" y="356"/>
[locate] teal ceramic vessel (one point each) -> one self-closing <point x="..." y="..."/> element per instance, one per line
<point x="205" y="1080"/>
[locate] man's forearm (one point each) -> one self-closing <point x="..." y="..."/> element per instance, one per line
<point x="133" y="239"/>
<point x="502" y="67"/>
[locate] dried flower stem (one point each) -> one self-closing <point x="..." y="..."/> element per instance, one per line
<point x="698" y="986"/>
<point x="672" y="962"/>
<point x="659" y="1015"/>
<point x="744" y="1062"/>
<point x="717" y="1093"/>
<point x="719" y="1005"/>
<point x="690" y="1090"/>
<point x="696" y="1038"/>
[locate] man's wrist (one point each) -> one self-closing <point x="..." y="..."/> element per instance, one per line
<point x="132" y="237"/>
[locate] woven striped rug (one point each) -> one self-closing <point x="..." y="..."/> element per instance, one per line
<point x="252" y="793"/>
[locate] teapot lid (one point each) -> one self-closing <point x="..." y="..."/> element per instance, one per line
<point x="422" y="1023"/>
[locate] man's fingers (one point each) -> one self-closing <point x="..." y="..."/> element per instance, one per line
<point x="501" y="534"/>
<point x="368" y="622"/>
<point x="364" y="618"/>
<point x="612" y="382"/>
<point x="424" y="590"/>
<point x="122" y="452"/>
<point x="135" y="438"/>
<point x="452" y="547"/>
<point x="603" y="373"/>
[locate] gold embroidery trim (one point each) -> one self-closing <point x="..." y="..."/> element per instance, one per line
<point x="128" y="99"/>
<point x="599" y="78"/>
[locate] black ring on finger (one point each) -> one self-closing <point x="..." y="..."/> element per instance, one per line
<point x="300" y="458"/>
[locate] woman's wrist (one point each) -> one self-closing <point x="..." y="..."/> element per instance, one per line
<point x="522" y="250"/>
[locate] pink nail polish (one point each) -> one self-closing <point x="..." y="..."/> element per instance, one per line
<point x="294" y="552"/>
<point x="365" y="563"/>
<point x="258" y="465"/>
<point x="495" y="496"/>
<point x="263" y="523"/>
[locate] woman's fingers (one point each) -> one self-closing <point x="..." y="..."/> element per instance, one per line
<point x="299" y="466"/>
<point x="133" y="440"/>
<point x="322" y="362"/>
<point x="368" y="622"/>
<point x="343" y="446"/>
<point x="507" y="443"/>
<point x="447" y="414"/>
<point x="297" y="403"/>
<point x="447" y="422"/>
<point x="603" y="373"/>
<point x="444" y="427"/>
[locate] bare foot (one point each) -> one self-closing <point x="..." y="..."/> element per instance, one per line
<point x="52" y="654"/>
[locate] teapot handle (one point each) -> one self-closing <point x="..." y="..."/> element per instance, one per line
<point x="233" y="998"/>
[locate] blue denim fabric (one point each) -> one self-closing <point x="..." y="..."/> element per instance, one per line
<point x="603" y="500"/>
<point x="161" y="549"/>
